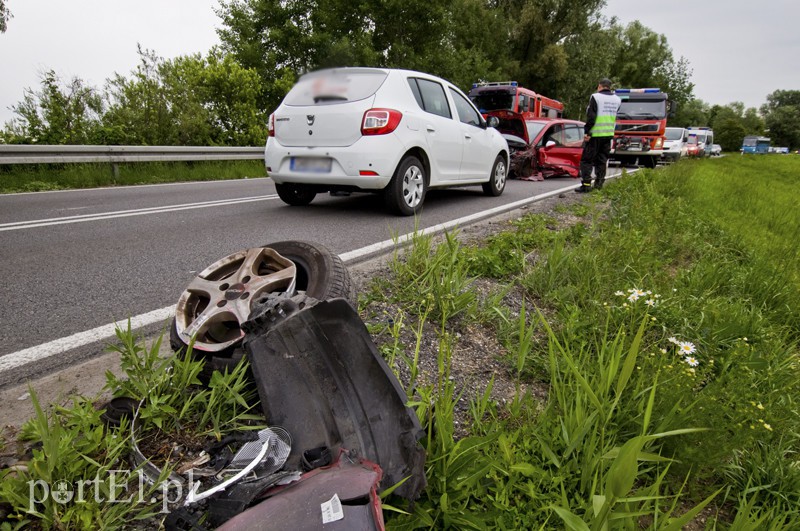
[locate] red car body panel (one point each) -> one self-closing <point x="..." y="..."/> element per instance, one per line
<point x="542" y="147"/>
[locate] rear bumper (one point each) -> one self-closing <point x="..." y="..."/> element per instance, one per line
<point x="375" y="154"/>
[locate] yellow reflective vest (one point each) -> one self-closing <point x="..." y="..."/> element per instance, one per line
<point x="606" y="119"/>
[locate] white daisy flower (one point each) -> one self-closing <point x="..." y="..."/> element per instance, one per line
<point x="650" y="302"/>
<point x="686" y="347"/>
<point x="692" y="361"/>
<point x="673" y="340"/>
<point x="619" y="293"/>
<point x="633" y="297"/>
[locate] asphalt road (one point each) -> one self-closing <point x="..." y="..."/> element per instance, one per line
<point x="76" y="260"/>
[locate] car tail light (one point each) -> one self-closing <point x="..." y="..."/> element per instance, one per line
<point x="271" y="125"/>
<point x="380" y="121"/>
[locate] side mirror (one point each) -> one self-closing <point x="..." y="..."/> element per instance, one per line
<point x="493" y="121"/>
<point x="672" y="108"/>
<point x="550" y="143"/>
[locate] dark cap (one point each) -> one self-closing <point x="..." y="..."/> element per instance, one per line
<point x="605" y="83"/>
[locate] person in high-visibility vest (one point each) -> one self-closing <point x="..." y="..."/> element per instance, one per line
<point x="601" y="118"/>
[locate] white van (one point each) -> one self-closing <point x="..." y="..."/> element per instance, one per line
<point x="674" y="144"/>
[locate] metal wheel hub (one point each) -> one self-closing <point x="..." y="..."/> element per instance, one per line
<point x="214" y="305"/>
<point x="412" y="186"/>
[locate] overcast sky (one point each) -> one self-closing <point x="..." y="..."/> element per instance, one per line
<point x="739" y="50"/>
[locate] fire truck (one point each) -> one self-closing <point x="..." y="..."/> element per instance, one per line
<point x="641" y="123"/>
<point x="509" y="96"/>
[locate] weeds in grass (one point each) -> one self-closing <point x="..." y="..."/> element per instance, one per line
<point x="44" y="177"/>
<point x="717" y="352"/>
<point x="174" y="399"/>
<point x="75" y="450"/>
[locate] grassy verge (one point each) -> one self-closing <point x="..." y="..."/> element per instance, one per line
<point x="42" y="177"/>
<point x="667" y="331"/>
<point x="663" y="317"/>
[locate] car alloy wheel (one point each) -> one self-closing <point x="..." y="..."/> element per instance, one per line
<point x="406" y="191"/>
<point x="318" y="272"/>
<point x="497" y="179"/>
<point x="216" y="302"/>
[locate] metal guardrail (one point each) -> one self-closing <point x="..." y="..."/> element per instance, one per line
<point x="45" y="154"/>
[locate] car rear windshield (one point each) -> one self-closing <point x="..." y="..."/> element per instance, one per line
<point x="330" y="87"/>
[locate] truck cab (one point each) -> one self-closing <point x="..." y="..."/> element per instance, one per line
<point x="641" y="123"/>
<point x="509" y="96"/>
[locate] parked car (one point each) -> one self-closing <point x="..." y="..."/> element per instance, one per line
<point x="674" y="144"/>
<point x="541" y="147"/>
<point x="716" y="150"/>
<point x="394" y="132"/>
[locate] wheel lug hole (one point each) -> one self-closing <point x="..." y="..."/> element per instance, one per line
<point x="224" y="287"/>
<point x="245" y="280"/>
<point x="220" y="304"/>
<point x="245" y="295"/>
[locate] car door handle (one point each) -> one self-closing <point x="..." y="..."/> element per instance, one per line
<point x="430" y="128"/>
<point x="467" y="136"/>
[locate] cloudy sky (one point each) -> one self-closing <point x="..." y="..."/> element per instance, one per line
<point x="739" y="50"/>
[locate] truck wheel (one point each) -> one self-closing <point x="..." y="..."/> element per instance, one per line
<point x="497" y="179"/>
<point x="319" y="273"/>
<point x="649" y="162"/>
<point x="295" y="194"/>
<point x="406" y="191"/>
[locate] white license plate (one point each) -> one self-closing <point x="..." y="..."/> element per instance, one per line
<point x="311" y="164"/>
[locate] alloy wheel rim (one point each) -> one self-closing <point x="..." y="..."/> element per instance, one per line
<point x="412" y="186"/>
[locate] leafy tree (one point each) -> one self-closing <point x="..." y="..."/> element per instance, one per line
<point x="539" y="31"/>
<point x="644" y="59"/>
<point x="782" y="117"/>
<point x="694" y="112"/>
<point x="455" y="39"/>
<point x="5" y="14"/>
<point x="190" y="100"/>
<point x="56" y="114"/>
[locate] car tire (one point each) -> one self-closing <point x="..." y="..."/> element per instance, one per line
<point x="497" y="179"/>
<point x="406" y="191"/>
<point x="295" y="194"/>
<point x="321" y="274"/>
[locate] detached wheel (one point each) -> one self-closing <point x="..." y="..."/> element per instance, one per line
<point x="497" y="179"/>
<point x="406" y="191"/>
<point x="295" y="194"/>
<point x="214" y="305"/>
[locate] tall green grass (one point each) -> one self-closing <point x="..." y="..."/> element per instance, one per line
<point x="42" y="177"/>
<point x="670" y="345"/>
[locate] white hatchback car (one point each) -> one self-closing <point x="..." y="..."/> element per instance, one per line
<point x="395" y="132"/>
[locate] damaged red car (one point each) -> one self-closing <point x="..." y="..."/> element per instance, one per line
<point x="541" y="147"/>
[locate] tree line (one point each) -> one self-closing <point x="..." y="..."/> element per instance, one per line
<point x="556" y="47"/>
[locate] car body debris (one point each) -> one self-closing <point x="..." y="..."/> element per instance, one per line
<point x="341" y="431"/>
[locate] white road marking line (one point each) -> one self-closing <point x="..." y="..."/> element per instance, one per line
<point x="15" y="360"/>
<point x="134" y="186"/>
<point x="54" y="348"/>
<point x="18" y="225"/>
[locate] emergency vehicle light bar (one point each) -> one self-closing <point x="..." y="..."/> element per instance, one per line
<point x="640" y="91"/>
<point x="495" y="84"/>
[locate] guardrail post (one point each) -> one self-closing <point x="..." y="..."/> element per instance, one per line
<point x="115" y="171"/>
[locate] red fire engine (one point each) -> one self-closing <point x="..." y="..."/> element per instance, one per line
<point x="509" y="96"/>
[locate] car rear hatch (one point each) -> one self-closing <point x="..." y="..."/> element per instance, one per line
<point x="326" y="108"/>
